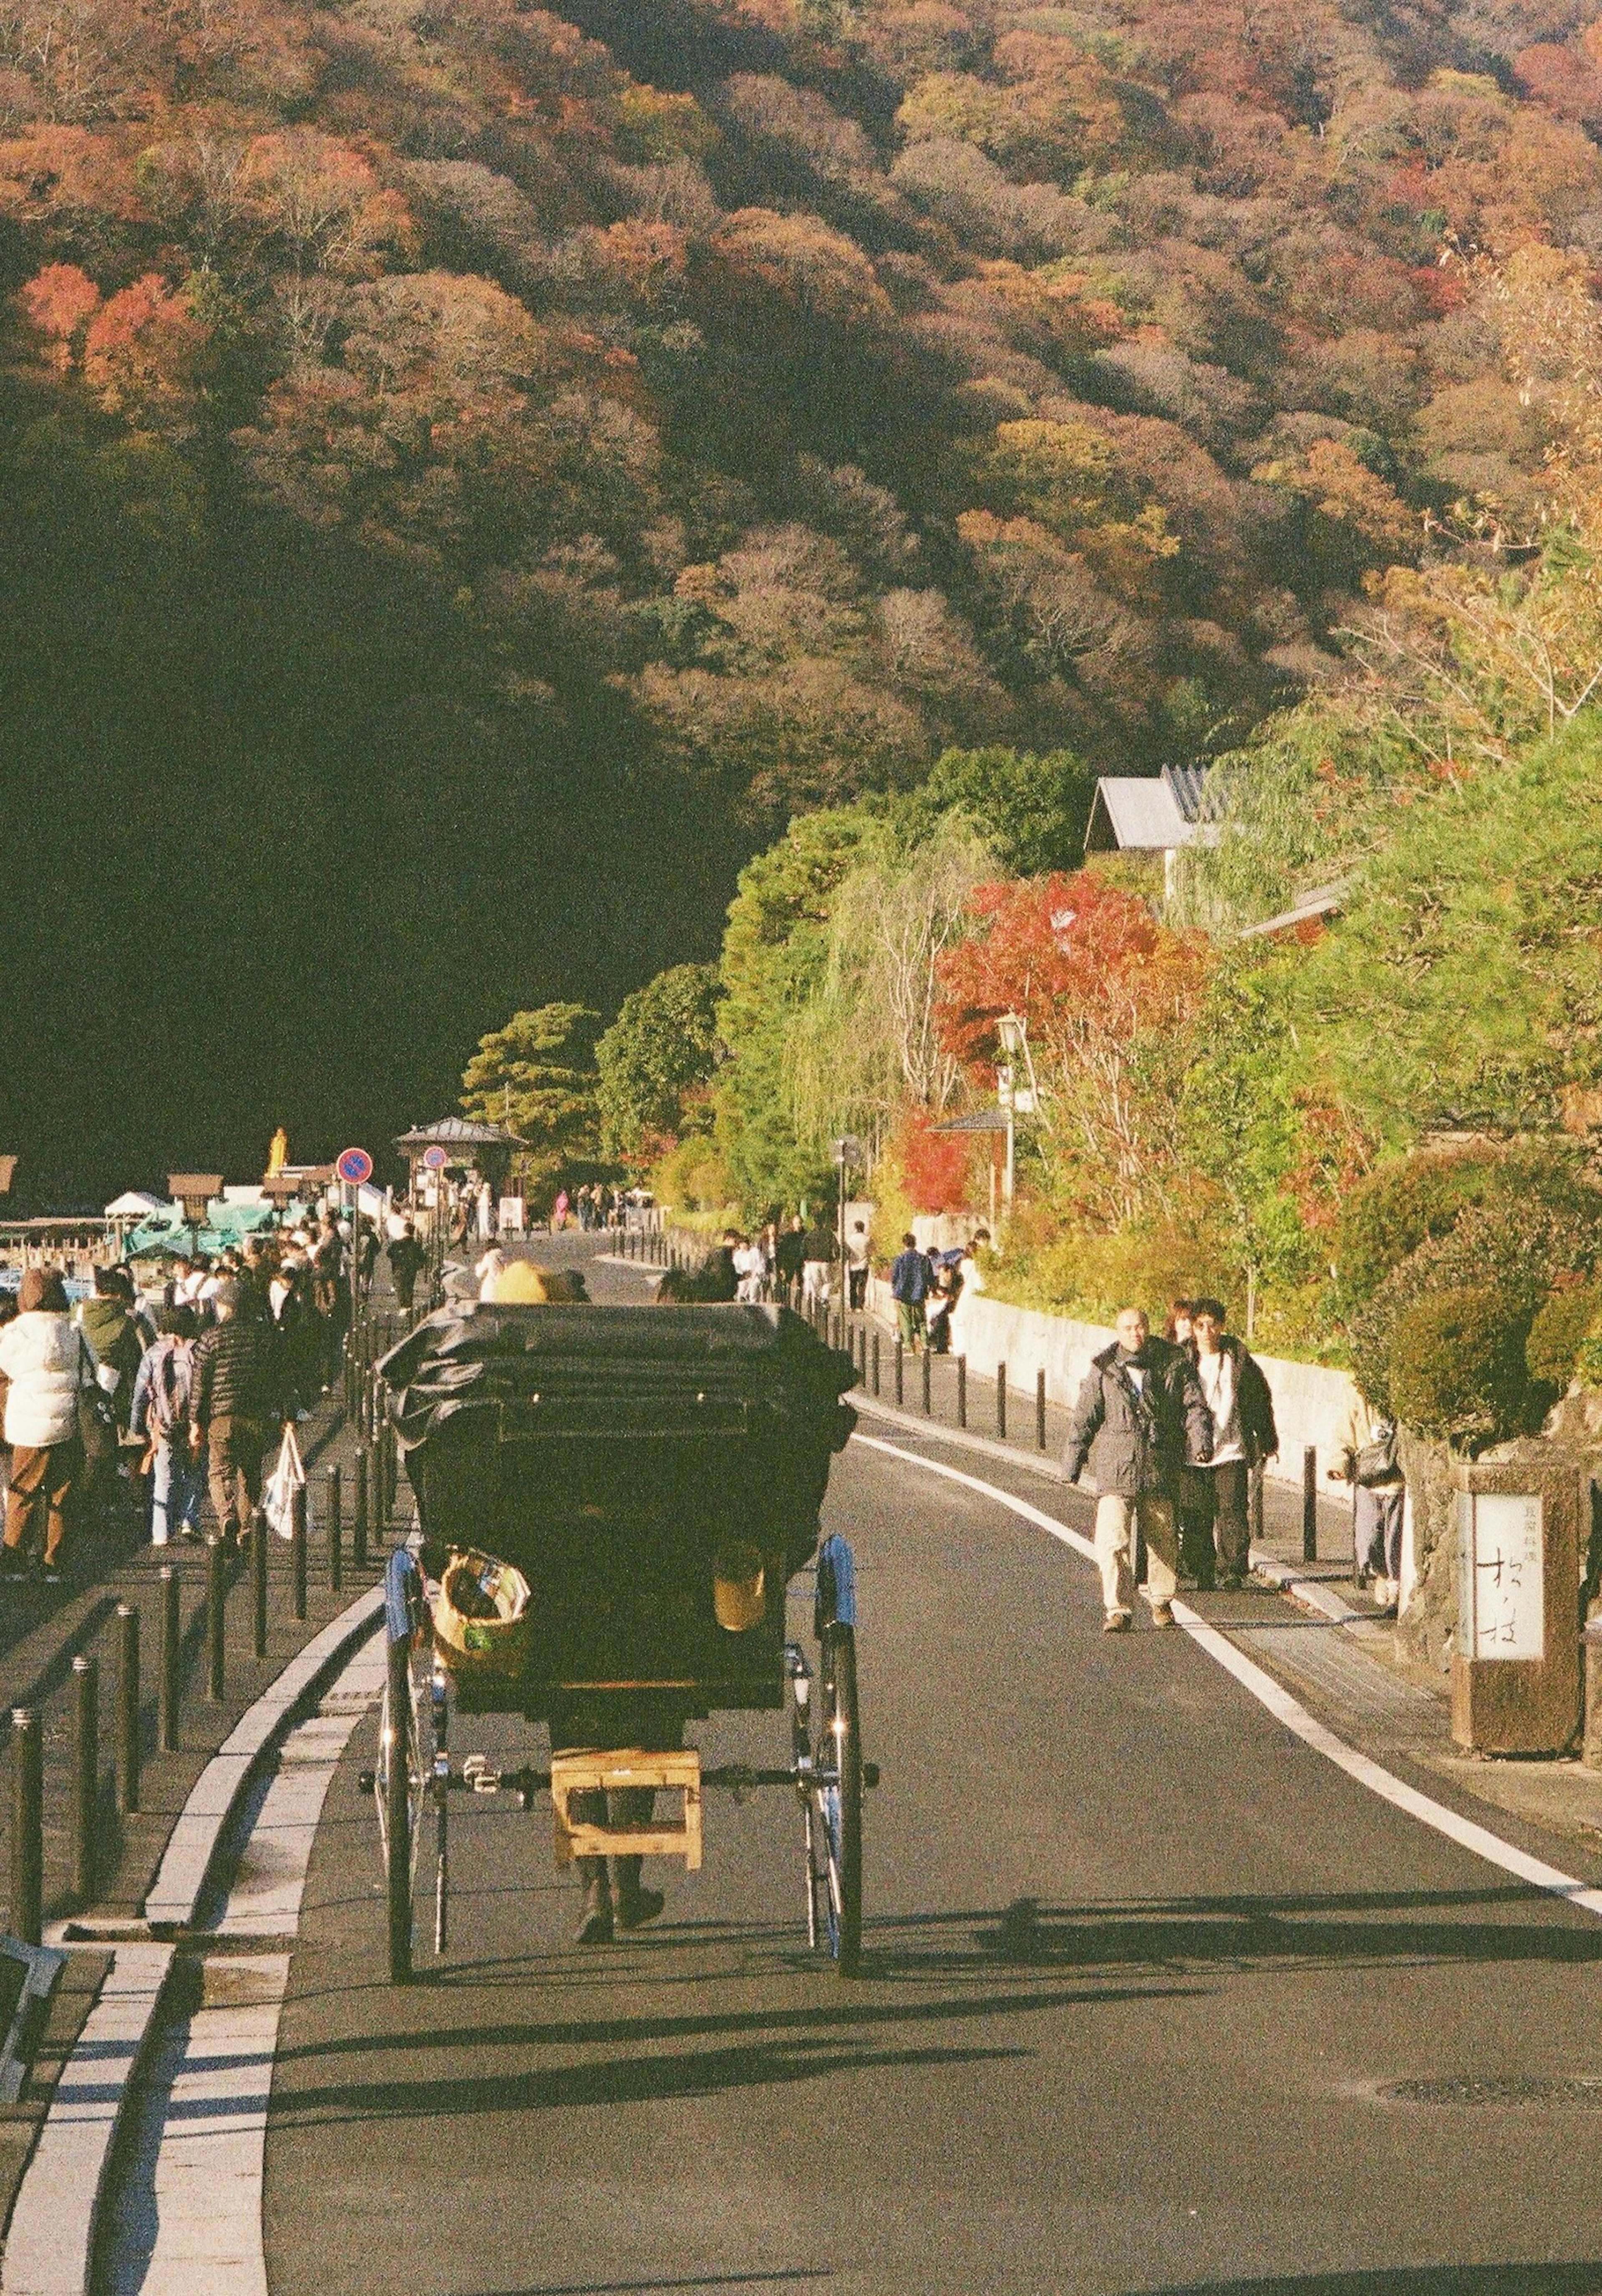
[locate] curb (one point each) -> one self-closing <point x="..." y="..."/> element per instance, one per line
<point x="50" y="2245"/>
<point x="181" y="1877"/>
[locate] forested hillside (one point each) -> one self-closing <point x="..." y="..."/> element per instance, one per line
<point x="469" y="473"/>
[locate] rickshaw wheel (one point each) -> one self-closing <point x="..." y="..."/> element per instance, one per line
<point x="840" y="1754"/>
<point x="399" y="1784"/>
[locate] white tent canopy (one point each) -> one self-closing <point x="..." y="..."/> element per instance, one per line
<point x="133" y="1204"/>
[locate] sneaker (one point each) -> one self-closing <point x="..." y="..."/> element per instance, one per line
<point x="1116" y="1622"/>
<point x="50" y="1576"/>
<point x="1162" y="1614"/>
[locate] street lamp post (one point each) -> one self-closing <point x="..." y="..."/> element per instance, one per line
<point x="1015" y="1094"/>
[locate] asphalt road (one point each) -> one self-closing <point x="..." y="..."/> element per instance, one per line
<point x="1142" y="1974"/>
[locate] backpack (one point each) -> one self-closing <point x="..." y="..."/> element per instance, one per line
<point x="168" y="1396"/>
<point x="1376" y="1462"/>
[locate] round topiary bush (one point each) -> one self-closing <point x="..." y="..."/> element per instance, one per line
<point x="1456" y="1364"/>
<point x="1396" y="1208"/>
<point x="1552" y="1352"/>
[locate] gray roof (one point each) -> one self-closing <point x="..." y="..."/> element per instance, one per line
<point x="1147" y="813"/>
<point x="1311" y="909"/>
<point x="984" y="1120"/>
<point x="459" y="1132"/>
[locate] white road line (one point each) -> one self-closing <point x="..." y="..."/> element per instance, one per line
<point x="1291" y="1712"/>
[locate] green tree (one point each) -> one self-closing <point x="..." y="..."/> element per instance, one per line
<point x="1031" y="811"/>
<point x="663" y="1044"/>
<point x="537" y="1076"/>
<point x="775" y="953"/>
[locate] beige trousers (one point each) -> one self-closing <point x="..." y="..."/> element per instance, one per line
<point x="1117" y="1519"/>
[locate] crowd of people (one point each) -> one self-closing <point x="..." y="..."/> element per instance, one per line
<point x="157" y="1400"/>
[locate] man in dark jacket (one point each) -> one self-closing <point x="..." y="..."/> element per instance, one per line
<point x="717" y="1279"/>
<point x="407" y="1257"/>
<point x="1139" y="1419"/>
<point x="236" y="1400"/>
<point x="1241" y="1409"/>
<point x="912" y="1281"/>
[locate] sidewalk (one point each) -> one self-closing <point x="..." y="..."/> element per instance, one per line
<point x="38" y="1671"/>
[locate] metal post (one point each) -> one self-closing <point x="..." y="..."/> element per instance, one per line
<point x="1039" y="1410"/>
<point x="166" y="1679"/>
<point x="1310" y="1503"/>
<point x="358" y="1513"/>
<point x="298" y="1551"/>
<point x="961" y="1390"/>
<point x="928" y="1400"/>
<point x="128" y="1708"/>
<point x="900" y="1372"/>
<point x="27" y="1826"/>
<point x="336" y="1557"/>
<point x="874" y="1374"/>
<point x="85" y="1776"/>
<point x="258" y="1584"/>
<point x="1001" y="1400"/>
<point x="216" y="1592"/>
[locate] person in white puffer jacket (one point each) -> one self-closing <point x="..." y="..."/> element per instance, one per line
<point x="43" y="1360"/>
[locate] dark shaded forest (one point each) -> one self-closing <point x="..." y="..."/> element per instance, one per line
<point x="469" y="473"/>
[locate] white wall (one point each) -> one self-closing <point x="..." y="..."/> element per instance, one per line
<point x="1311" y="1401"/>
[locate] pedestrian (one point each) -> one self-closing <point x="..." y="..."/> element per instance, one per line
<point x="44" y="1363"/>
<point x="1138" y="1417"/>
<point x="749" y="1268"/>
<point x="970" y="1285"/>
<point x="942" y="1301"/>
<point x="1241" y="1407"/>
<point x="161" y="1393"/>
<point x="1179" y="1327"/>
<point x="559" y="1212"/>
<point x="488" y="1271"/>
<point x="911" y="1280"/>
<point x="113" y="1340"/>
<point x="1369" y="1459"/>
<point x="406" y="1258"/>
<point x="236" y="1401"/>
<point x="717" y="1279"/>
<point x="817" y="1266"/>
<point x="856" y="1266"/>
<point x="788" y="1254"/>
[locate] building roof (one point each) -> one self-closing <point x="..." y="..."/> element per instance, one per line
<point x="1312" y="908"/>
<point x="1147" y="813"/>
<point x="983" y="1119"/>
<point x="457" y="1132"/>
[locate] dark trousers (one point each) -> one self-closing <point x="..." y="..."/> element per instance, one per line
<point x="40" y="1500"/>
<point x="1377" y="1532"/>
<point x="234" y="1461"/>
<point x="1215" y="1521"/>
<point x="857" y="1279"/>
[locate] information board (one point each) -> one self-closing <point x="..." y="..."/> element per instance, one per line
<point x="1501" y="1573"/>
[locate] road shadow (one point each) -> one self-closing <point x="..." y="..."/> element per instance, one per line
<point x="1405" y="2280"/>
<point x="1356" y="1930"/>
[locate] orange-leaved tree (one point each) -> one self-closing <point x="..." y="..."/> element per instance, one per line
<point x="1106" y="991"/>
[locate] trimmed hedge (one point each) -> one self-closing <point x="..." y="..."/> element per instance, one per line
<point x="1456" y="1364"/>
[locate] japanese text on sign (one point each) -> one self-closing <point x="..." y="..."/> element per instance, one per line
<point x="1501" y="1568"/>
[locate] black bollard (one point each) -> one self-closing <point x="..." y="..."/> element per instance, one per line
<point x="1001" y="1400"/>
<point x="27" y="1824"/>
<point x="901" y="1373"/>
<point x="358" y="1513"/>
<point x="259" y="1584"/>
<point x="128" y="1709"/>
<point x="335" y="1558"/>
<point x="85" y="1776"/>
<point x="961" y="1390"/>
<point x="1310" y="1503"/>
<point x="166" y="1680"/>
<point x="929" y="1399"/>
<point x="1039" y="1410"/>
<point x="217" y="1595"/>
<point x="298" y="1551"/>
<point x="873" y="1375"/>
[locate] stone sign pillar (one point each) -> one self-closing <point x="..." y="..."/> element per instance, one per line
<point x="1516" y="1659"/>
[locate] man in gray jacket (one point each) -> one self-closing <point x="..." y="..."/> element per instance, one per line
<point x="1140" y="1418"/>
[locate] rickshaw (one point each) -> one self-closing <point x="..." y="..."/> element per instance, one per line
<point x="652" y="1475"/>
